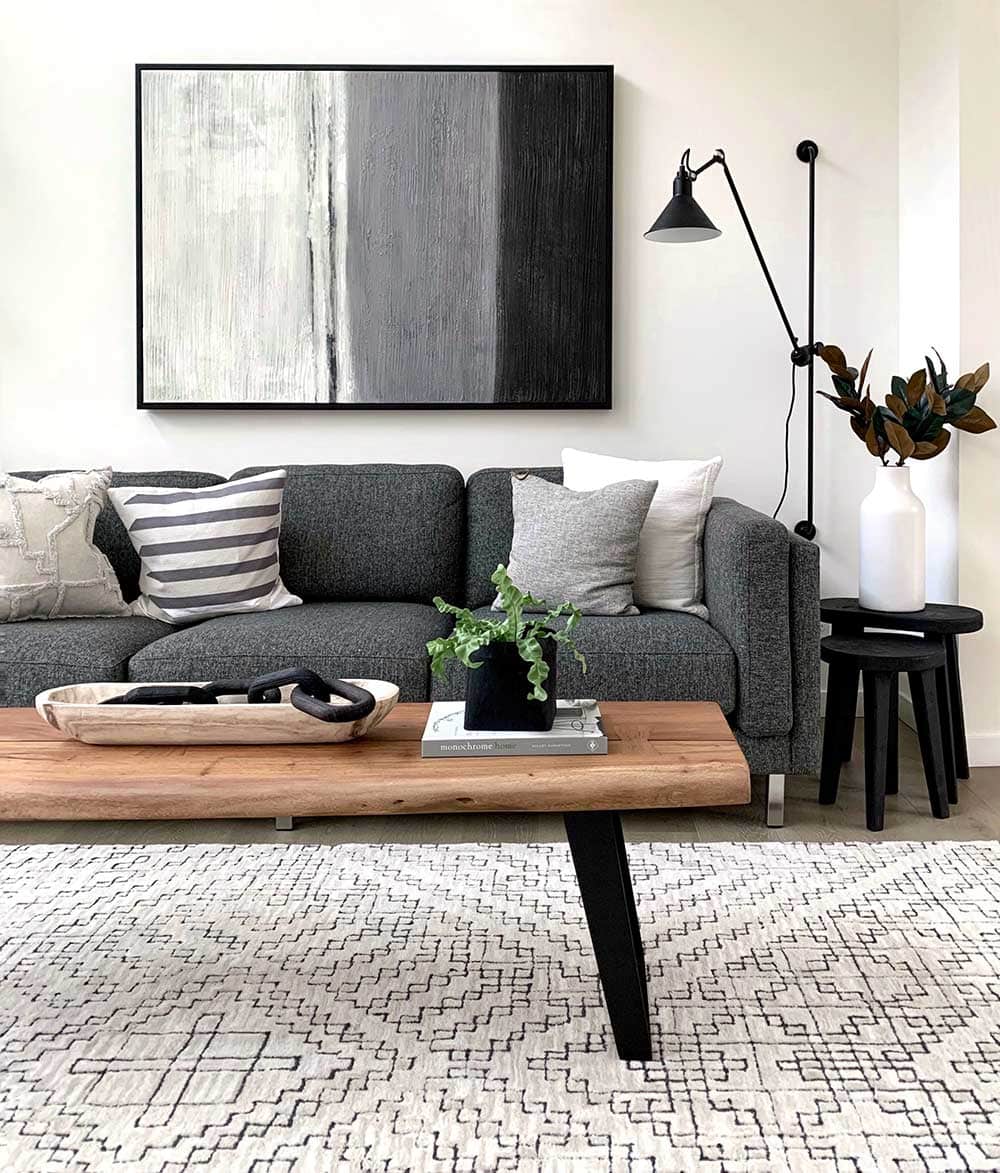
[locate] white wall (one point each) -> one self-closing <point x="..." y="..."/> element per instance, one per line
<point x="929" y="263"/>
<point x="700" y="360"/>
<point x="979" y="529"/>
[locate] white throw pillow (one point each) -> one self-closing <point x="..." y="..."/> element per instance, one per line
<point x="207" y="552"/>
<point x="49" y="565"/>
<point x="669" y="571"/>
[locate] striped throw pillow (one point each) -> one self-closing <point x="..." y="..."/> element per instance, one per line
<point x="207" y="552"/>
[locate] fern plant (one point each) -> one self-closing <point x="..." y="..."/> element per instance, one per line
<point x="527" y="631"/>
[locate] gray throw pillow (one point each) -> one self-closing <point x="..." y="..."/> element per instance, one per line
<point x="578" y="547"/>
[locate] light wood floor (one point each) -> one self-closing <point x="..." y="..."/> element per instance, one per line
<point x="908" y="816"/>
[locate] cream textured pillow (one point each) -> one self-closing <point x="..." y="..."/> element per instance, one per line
<point x="668" y="575"/>
<point x="207" y="552"/>
<point x="49" y="565"/>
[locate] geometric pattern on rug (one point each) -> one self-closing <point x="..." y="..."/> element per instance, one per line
<point x="276" y="1008"/>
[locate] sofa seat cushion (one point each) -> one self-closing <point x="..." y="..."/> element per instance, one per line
<point x="653" y="656"/>
<point x="381" y="641"/>
<point x="44" y="653"/>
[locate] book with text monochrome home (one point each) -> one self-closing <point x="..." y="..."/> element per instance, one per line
<point x="577" y="730"/>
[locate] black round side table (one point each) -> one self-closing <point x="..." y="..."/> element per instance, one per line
<point x="939" y="623"/>
<point x="879" y="659"/>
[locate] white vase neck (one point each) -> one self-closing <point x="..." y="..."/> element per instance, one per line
<point x="893" y="475"/>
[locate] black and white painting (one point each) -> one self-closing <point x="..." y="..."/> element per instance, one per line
<point x="339" y="237"/>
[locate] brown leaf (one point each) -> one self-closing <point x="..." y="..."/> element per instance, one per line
<point x="859" y="427"/>
<point x="966" y="382"/>
<point x="982" y="376"/>
<point x="895" y="405"/>
<point x="928" y="448"/>
<point x="868" y="407"/>
<point x="937" y="403"/>
<point x="915" y="386"/>
<point x="899" y="438"/>
<point x="833" y="356"/>
<point x="844" y="402"/>
<point x="975" y="421"/>
<point x="864" y="371"/>
<point x="875" y="443"/>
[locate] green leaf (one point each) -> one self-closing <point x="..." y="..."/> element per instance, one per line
<point x="845" y="387"/>
<point x="899" y="387"/>
<point x="472" y="632"/>
<point x="960" y="403"/>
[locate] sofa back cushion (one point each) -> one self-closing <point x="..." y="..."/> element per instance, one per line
<point x="490" y="527"/>
<point x="372" y="531"/>
<point x="110" y="535"/>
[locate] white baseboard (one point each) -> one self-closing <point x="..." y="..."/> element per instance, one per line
<point x="984" y="748"/>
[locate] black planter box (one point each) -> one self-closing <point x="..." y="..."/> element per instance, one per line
<point x="496" y="695"/>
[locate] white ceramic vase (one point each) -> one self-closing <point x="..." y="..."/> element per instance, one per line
<point x="892" y="574"/>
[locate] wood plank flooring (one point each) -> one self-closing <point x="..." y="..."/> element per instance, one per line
<point x="907" y="817"/>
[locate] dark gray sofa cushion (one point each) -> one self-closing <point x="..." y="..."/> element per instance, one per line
<point x="490" y="527"/>
<point x="372" y="531"/>
<point x="384" y="641"/>
<point x="654" y="656"/>
<point x="44" y="653"/>
<point x="110" y="535"/>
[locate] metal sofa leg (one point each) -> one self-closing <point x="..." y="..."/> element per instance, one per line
<point x="776" y="800"/>
<point x="284" y="823"/>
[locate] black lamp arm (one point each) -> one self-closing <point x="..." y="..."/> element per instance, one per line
<point x="800" y="354"/>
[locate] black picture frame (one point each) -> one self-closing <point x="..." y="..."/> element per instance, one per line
<point x="605" y="403"/>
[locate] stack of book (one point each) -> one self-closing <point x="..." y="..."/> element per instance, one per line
<point x="577" y="730"/>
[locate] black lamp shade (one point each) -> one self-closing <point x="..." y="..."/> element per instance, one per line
<point x="682" y="220"/>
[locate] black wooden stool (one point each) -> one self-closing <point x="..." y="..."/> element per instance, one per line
<point x="940" y="623"/>
<point x="879" y="659"/>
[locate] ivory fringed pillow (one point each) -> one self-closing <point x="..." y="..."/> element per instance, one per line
<point x="49" y="565"/>
<point x="668" y="574"/>
<point x="207" y="552"/>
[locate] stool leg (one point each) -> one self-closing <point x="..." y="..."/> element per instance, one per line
<point x="892" y="754"/>
<point x="957" y="712"/>
<point x="837" y="684"/>
<point x="928" y="718"/>
<point x="947" y="733"/>
<point x="878" y="689"/>
<point x="852" y="678"/>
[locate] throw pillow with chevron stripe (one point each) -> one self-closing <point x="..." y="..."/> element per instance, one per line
<point x="207" y="552"/>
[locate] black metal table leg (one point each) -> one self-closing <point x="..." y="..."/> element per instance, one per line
<point x="943" y="686"/>
<point x="838" y="730"/>
<point x="598" y="848"/>
<point x="928" y="719"/>
<point x="850" y="680"/>
<point x="957" y="711"/>
<point x="878" y="689"/>
<point x="892" y="754"/>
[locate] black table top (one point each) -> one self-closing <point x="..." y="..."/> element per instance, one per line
<point x="935" y="618"/>
<point x="885" y="653"/>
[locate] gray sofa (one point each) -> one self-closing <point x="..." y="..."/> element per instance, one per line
<point x="368" y="546"/>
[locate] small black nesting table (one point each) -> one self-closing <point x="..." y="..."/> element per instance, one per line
<point x="940" y="624"/>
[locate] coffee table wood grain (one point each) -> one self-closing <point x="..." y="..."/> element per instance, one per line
<point x="679" y="754"/>
<point x="659" y="755"/>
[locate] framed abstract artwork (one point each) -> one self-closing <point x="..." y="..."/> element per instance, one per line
<point x="373" y="236"/>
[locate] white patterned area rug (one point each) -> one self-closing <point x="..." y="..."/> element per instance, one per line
<point x="269" y="1009"/>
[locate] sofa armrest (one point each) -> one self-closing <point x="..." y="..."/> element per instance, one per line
<point x="804" y="623"/>
<point x="747" y="595"/>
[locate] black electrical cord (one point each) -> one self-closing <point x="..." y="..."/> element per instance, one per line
<point x="788" y="422"/>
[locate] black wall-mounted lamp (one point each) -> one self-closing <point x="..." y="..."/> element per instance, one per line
<point x="683" y="221"/>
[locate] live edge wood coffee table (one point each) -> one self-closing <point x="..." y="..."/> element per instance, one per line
<point x="659" y="755"/>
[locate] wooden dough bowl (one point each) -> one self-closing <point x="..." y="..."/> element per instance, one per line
<point x="75" y="709"/>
